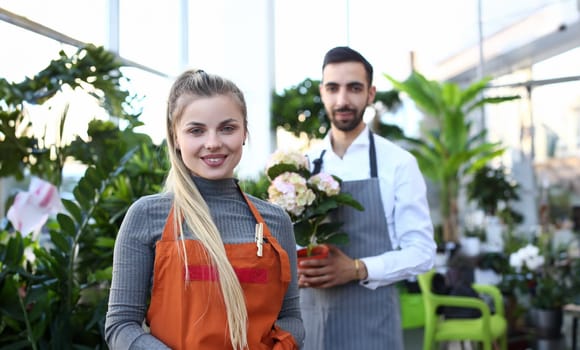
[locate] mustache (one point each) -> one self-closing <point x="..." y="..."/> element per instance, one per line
<point x="345" y="109"/>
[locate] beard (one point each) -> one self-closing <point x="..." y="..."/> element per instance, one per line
<point x="348" y="124"/>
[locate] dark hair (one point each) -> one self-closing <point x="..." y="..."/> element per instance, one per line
<point x="342" y="54"/>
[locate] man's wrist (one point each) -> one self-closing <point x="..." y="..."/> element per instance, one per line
<point x="360" y="270"/>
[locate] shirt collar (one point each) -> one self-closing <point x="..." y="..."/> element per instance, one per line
<point x="362" y="139"/>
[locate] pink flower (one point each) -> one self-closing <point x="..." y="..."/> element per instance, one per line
<point x="31" y="209"/>
<point x="326" y="183"/>
<point x="290" y="191"/>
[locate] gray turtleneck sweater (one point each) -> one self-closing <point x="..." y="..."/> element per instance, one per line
<point x="134" y="256"/>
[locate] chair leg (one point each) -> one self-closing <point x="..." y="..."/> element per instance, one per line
<point x="429" y="341"/>
<point x="503" y="342"/>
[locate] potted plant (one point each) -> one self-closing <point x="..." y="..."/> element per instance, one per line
<point x="450" y="147"/>
<point x="471" y="241"/>
<point x="491" y="187"/>
<point x="492" y="191"/>
<point x="308" y="199"/>
<point x="547" y="278"/>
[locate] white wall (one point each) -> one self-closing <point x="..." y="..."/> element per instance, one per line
<point x="235" y="39"/>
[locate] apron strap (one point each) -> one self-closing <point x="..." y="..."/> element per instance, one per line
<point x="372" y="154"/>
<point x="318" y="163"/>
<point x="167" y="230"/>
<point x="284" y="260"/>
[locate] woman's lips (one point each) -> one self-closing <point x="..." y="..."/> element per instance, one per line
<point x="214" y="160"/>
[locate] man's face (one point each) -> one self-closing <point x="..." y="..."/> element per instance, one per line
<point x="345" y="94"/>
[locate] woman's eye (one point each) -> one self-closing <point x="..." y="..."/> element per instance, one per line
<point x="196" y="131"/>
<point x="229" y="129"/>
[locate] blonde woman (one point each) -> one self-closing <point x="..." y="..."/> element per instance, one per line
<point x="203" y="264"/>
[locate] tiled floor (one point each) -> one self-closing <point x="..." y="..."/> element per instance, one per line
<point x="414" y="341"/>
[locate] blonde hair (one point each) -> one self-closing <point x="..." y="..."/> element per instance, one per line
<point x="190" y="205"/>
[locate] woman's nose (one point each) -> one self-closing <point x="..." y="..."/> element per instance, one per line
<point x="213" y="141"/>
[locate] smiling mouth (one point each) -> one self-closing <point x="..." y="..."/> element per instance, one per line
<point x="214" y="160"/>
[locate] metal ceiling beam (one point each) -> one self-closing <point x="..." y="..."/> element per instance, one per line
<point x="45" y="31"/>
<point x="564" y="39"/>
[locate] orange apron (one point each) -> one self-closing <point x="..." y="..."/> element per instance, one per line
<point x="194" y="316"/>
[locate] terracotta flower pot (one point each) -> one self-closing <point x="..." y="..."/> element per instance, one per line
<point x="318" y="252"/>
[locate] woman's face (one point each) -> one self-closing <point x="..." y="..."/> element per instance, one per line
<point x="210" y="135"/>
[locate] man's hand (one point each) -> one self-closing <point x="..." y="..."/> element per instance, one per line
<point x="335" y="270"/>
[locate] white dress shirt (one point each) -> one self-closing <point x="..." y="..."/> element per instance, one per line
<point x="403" y="193"/>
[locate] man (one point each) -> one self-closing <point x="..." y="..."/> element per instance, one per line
<point x="349" y="300"/>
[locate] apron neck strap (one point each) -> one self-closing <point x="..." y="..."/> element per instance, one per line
<point x="372" y="158"/>
<point x="372" y="154"/>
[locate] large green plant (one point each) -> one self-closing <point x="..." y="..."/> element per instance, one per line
<point x="58" y="299"/>
<point x="92" y="69"/>
<point x="451" y="147"/>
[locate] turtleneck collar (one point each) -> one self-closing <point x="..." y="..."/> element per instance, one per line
<point x="221" y="187"/>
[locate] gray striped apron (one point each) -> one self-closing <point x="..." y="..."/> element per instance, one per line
<point x="352" y="317"/>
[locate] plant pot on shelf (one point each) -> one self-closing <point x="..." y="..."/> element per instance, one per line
<point x="547" y="322"/>
<point x="317" y="252"/>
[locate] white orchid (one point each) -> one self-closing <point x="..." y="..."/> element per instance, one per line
<point x="528" y="257"/>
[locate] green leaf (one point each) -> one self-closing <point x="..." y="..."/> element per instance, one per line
<point x="328" y="228"/>
<point x="337" y="238"/>
<point x="346" y="199"/>
<point x="61" y="242"/>
<point x="13" y="252"/>
<point x="73" y="209"/>
<point x="67" y="225"/>
<point x="105" y="242"/>
<point x="324" y="207"/>
<point x="101" y="275"/>
<point x="92" y="177"/>
<point x="303" y="231"/>
<point x="275" y="170"/>
<point x="81" y="197"/>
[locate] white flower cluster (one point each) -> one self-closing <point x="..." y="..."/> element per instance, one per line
<point x="528" y="256"/>
<point x="288" y="157"/>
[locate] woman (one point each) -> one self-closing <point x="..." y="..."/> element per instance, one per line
<point x="213" y="260"/>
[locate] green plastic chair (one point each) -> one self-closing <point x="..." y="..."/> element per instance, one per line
<point x="486" y="329"/>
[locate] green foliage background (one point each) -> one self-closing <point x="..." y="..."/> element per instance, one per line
<point x="58" y="300"/>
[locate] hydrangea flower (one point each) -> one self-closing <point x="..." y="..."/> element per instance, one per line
<point x="307" y="198"/>
<point x="292" y="157"/>
<point x="290" y="191"/>
<point x="325" y="183"/>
